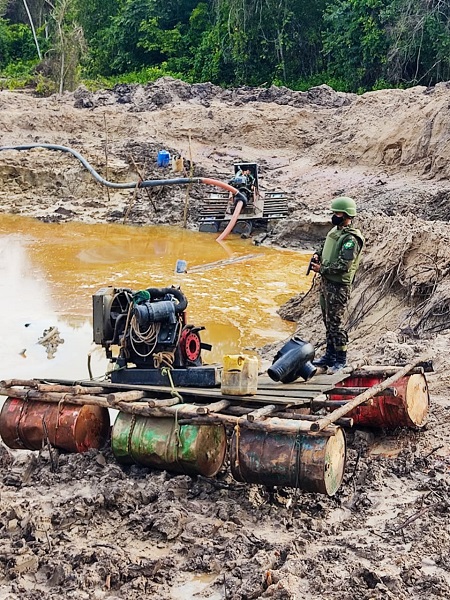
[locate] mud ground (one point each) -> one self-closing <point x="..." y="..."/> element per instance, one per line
<point x="87" y="528"/>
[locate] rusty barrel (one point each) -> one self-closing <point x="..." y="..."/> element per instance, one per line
<point x="27" y="424"/>
<point x="310" y="463"/>
<point x="161" y="443"/>
<point x="408" y="408"/>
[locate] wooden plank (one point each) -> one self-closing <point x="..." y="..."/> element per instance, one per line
<point x="328" y="381"/>
<point x="206" y="393"/>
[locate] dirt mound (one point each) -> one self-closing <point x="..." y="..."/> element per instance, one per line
<point x="167" y="91"/>
<point x="401" y="294"/>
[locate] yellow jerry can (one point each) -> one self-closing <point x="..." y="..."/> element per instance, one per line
<point x="240" y="375"/>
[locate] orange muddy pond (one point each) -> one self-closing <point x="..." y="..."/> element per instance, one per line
<point x="50" y="271"/>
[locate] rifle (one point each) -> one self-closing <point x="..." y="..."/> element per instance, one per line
<point x="314" y="261"/>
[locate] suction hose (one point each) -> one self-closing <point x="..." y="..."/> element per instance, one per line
<point x="240" y="197"/>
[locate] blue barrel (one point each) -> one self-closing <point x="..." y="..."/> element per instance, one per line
<point x="163" y="158"/>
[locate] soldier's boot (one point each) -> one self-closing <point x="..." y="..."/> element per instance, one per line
<point x="340" y="362"/>
<point x="328" y="359"/>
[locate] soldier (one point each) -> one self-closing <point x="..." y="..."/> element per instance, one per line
<point x="337" y="262"/>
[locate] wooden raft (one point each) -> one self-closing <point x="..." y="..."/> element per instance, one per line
<point x="275" y="408"/>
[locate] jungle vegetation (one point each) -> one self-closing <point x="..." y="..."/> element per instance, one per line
<point x="352" y="45"/>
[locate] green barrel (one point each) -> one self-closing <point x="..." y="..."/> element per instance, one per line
<point x="310" y="463"/>
<point x="161" y="443"/>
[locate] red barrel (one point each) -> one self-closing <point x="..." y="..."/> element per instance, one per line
<point x="409" y="408"/>
<point x="26" y="425"/>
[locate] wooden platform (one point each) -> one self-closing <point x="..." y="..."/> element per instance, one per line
<point x="298" y="393"/>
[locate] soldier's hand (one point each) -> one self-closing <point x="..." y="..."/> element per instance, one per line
<point x="315" y="266"/>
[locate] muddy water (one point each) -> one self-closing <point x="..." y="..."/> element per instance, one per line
<point x="50" y="271"/>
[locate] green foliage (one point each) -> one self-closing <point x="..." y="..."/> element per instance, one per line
<point x="144" y="76"/>
<point x="17" y="75"/>
<point x="351" y="45"/>
<point x="44" y="86"/>
<point x="354" y="41"/>
<point x="419" y="34"/>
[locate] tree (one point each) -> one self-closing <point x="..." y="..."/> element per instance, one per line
<point x="419" y="41"/>
<point x="355" y="41"/>
<point x="33" y="29"/>
<point x="69" y="44"/>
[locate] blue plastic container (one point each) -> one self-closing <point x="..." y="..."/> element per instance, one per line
<point x="163" y="158"/>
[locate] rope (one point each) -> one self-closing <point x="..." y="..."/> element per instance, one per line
<point x="237" y="431"/>
<point x="177" y="432"/>
<point x="130" y="433"/>
<point x="173" y="392"/>
<point x="165" y="359"/>
<point x="60" y="405"/>
<point x="23" y="412"/>
<point x="297" y="445"/>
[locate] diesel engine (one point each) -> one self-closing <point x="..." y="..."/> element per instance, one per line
<point x="149" y="326"/>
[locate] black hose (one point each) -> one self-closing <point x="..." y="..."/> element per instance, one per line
<point x="98" y="177"/>
<point x="238" y="195"/>
<point x="178" y="294"/>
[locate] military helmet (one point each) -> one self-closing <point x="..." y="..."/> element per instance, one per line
<point x="344" y="204"/>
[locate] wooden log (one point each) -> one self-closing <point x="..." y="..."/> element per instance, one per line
<point x="51" y="387"/>
<point x="129" y="396"/>
<point x="238" y="410"/>
<point x="155" y="402"/>
<point x="68" y="389"/>
<point x="136" y="408"/>
<point x="7" y="383"/>
<point x="343" y="410"/>
<point x="286" y="426"/>
<point x="261" y="412"/>
<point x="383" y="371"/>
<point x="316" y="404"/>
<point x="355" y="391"/>
<point x="213" y="407"/>
<point x="32" y="394"/>
<point x="343" y="422"/>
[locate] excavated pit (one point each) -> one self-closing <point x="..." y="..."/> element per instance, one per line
<point x="87" y="528"/>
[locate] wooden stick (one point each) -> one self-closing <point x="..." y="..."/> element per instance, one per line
<point x="153" y="403"/>
<point x="32" y="394"/>
<point x="238" y="410"/>
<point x="68" y="389"/>
<point x="7" y="383"/>
<point x="383" y="371"/>
<point x="279" y="426"/>
<point x="355" y="391"/>
<point x="136" y="408"/>
<point x="261" y="412"/>
<point x="129" y="396"/>
<point x="343" y="422"/>
<point x="334" y="403"/>
<point x="343" y="410"/>
<point x="213" y="407"/>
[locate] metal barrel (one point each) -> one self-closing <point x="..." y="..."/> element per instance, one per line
<point x="161" y="443"/>
<point x="310" y="463"/>
<point x="409" y="408"/>
<point x="27" y="425"/>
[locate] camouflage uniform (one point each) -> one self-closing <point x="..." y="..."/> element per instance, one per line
<point x="339" y="255"/>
